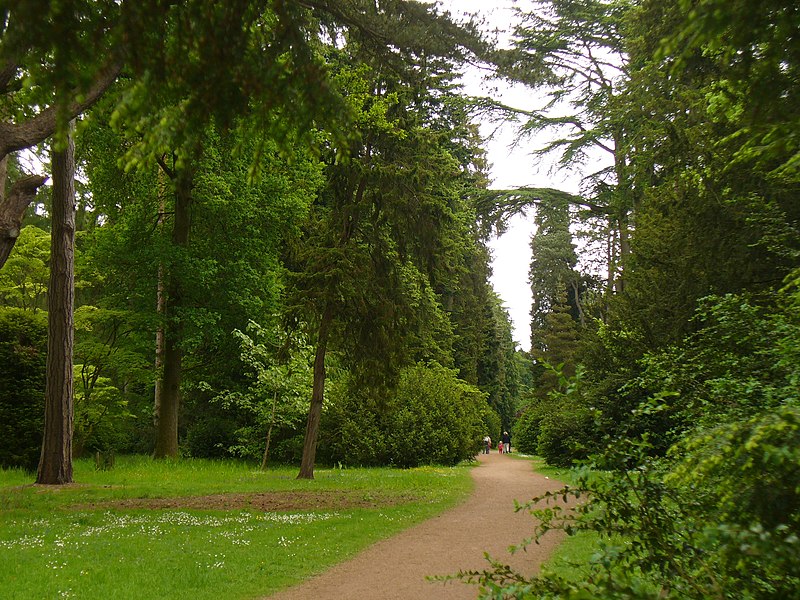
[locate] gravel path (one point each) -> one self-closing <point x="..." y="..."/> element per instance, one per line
<point x="395" y="568"/>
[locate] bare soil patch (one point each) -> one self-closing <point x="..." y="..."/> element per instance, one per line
<point x="261" y="501"/>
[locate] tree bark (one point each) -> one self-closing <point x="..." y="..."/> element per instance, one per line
<point x="160" y="306"/>
<point x="169" y="406"/>
<point x="55" y="464"/>
<point x="13" y="207"/>
<point x="265" y="458"/>
<point x="317" y="396"/>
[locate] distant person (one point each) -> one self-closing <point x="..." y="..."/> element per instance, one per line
<point x="506" y="442"/>
<point x="500" y="446"/>
<point x="487" y="444"/>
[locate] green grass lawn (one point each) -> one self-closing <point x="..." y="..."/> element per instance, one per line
<point x="56" y="542"/>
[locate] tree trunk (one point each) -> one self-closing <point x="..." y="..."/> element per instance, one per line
<point x="624" y="251"/>
<point x="169" y="406"/>
<point x="160" y="307"/>
<point x="317" y="395"/>
<point x="55" y="464"/>
<point x="269" y="430"/>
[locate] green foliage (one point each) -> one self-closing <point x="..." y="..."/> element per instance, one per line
<point x="719" y="515"/>
<point x="688" y="407"/>
<point x="274" y="403"/>
<point x="112" y="376"/>
<point x="101" y="414"/>
<point x="437" y="419"/>
<point x="722" y="520"/>
<point x="742" y="359"/>
<point x="23" y="354"/>
<point x="526" y="430"/>
<point x="430" y="417"/>
<point x="566" y="422"/>
<point x="24" y="277"/>
<point x="758" y="73"/>
<point x="230" y="273"/>
<point x="559" y="426"/>
<point x="492" y="422"/>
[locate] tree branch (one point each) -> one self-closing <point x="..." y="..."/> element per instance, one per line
<point x="12" y="212"/>
<point x="18" y="136"/>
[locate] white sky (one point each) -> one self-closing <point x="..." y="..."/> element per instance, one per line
<point x="511" y="166"/>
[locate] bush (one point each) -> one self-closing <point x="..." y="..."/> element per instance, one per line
<point x="492" y="423"/>
<point x="720" y="518"/>
<point x="526" y="430"/>
<point x="210" y="438"/>
<point x="718" y="514"/>
<point x="563" y="431"/>
<point x="353" y="429"/>
<point x="431" y="417"/>
<point x="559" y="428"/>
<point x="23" y="356"/>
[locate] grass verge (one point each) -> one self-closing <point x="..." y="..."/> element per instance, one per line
<point x="570" y="558"/>
<point x="55" y="544"/>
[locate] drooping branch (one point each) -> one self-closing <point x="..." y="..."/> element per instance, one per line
<point x="22" y="135"/>
<point x="495" y="207"/>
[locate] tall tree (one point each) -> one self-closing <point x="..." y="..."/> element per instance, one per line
<point x="574" y="52"/>
<point x="384" y="233"/>
<point x="170" y="400"/>
<point x="55" y="466"/>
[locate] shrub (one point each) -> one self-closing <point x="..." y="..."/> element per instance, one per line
<point x="718" y="514"/>
<point x="526" y="430"/>
<point x="437" y="418"/>
<point x="353" y="429"/>
<point x="563" y="430"/>
<point x="23" y="356"/>
<point x="492" y="424"/>
<point x="430" y="417"/>
<point x="719" y="519"/>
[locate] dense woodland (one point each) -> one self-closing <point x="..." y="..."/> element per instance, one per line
<point x="259" y="230"/>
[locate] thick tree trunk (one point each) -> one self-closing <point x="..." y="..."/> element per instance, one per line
<point x="169" y="406"/>
<point x="317" y="396"/>
<point x="55" y="464"/>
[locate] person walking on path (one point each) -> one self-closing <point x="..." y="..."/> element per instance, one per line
<point x="487" y="444"/>
<point x="396" y="568"/>
<point x="506" y="442"/>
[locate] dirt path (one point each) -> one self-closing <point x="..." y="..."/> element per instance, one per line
<point x="395" y="568"/>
